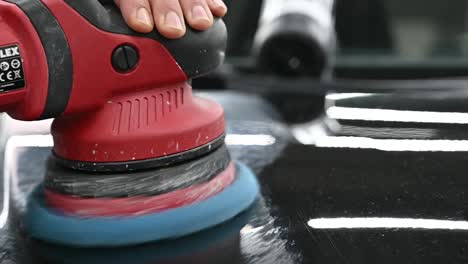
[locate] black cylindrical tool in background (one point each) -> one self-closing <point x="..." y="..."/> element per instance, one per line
<point x="296" y="38"/>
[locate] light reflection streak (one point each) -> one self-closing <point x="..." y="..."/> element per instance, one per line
<point x="386" y="223"/>
<point x="369" y="114"/>
<point x="250" y="140"/>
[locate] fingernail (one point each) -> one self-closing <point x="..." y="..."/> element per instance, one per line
<point x="173" y="20"/>
<point x="144" y="16"/>
<point x="198" y="12"/>
<point x="219" y="3"/>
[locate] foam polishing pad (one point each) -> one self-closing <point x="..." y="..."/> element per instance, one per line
<point x="211" y="246"/>
<point x="79" y="222"/>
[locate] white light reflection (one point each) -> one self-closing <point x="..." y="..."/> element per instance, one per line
<point x="250" y="140"/>
<point x="392" y="144"/>
<point x="249" y="229"/>
<point x="10" y="169"/>
<point x="386" y="223"/>
<point x="368" y="114"/>
<point x="341" y="96"/>
<point x="308" y="133"/>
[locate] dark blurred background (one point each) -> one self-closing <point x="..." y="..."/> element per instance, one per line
<point x="377" y="38"/>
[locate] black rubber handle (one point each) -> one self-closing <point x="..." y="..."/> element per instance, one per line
<point x="197" y="53"/>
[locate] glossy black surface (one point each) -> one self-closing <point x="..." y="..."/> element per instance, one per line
<point x="306" y="188"/>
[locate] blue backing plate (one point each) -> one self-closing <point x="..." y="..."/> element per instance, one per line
<point x="45" y="224"/>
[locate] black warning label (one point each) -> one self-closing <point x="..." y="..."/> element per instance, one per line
<point x="11" y="68"/>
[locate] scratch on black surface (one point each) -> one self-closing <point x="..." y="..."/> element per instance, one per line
<point x="327" y="234"/>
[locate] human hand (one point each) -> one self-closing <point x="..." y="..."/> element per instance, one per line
<point x="168" y="16"/>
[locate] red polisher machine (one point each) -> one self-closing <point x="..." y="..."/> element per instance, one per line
<point x="136" y="157"/>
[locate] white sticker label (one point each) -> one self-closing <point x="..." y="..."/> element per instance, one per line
<point x="11" y="68"/>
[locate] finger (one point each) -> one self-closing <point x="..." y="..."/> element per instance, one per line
<point x="168" y="18"/>
<point x="218" y="7"/>
<point x="197" y="13"/>
<point x="137" y="14"/>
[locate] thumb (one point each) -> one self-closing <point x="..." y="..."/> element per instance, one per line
<point x="137" y="14"/>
